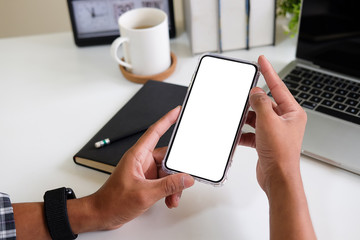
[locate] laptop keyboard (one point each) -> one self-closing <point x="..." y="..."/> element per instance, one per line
<point x="324" y="93"/>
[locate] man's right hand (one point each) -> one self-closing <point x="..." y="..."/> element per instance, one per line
<point x="279" y="130"/>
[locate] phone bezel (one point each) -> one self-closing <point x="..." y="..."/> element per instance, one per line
<point x="241" y="122"/>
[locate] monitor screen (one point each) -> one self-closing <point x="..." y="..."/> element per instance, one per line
<point x="329" y="35"/>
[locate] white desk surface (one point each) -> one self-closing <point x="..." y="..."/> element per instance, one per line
<point x="54" y="96"/>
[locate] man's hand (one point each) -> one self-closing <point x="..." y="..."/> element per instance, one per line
<point x="138" y="181"/>
<point x="279" y="130"/>
<point x="135" y="185"/>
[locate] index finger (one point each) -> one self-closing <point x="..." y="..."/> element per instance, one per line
<point x="281" y="94"/>
<point x="151" y="137"/>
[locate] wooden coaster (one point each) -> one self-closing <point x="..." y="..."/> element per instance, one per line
<point x="144" y="78"/>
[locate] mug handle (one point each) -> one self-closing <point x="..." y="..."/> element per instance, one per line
<point x="114" y="48"/>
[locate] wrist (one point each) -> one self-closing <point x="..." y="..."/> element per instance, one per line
<point x="56" y="215"/>
<point x="83" y="215"/>
<point x="88" y="214"/>
<point x="284" y="179"/>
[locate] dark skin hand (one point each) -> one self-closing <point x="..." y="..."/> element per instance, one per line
<point x="279" y="130"/>
<point x="136" y="184"/>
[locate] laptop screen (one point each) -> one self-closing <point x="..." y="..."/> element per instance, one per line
<point x="329" y="35"/>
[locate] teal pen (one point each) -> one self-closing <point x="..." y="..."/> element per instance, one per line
<point x="107" y="141"/>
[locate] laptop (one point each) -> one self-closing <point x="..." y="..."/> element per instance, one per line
<point x="325" y="80"/>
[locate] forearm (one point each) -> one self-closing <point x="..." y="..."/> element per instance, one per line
<point x="30" y="220"/>
<point x="289" y="213"/>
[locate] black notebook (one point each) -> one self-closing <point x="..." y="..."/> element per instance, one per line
<point x="147" y="106"/>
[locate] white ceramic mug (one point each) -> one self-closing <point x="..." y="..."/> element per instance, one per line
<point x="144" y="35"/>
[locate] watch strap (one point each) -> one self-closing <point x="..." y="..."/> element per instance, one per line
<point x="55" y="206"/>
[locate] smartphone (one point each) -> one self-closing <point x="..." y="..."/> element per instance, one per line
<point x="206" y="133"/>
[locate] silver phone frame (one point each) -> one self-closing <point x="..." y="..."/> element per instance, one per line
<point x="242" y="121"/>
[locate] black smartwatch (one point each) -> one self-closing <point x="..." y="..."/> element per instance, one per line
<point x="56" y="213"/>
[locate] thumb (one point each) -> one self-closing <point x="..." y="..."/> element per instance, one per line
<point x="171" y="184"/>
<point x="260" y="102"/>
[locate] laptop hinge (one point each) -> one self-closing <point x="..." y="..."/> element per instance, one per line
<point x="307" y="63"/>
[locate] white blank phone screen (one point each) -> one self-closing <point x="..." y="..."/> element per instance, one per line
<point x="211" y="117"/>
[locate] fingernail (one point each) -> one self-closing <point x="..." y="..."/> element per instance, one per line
<point x="262" y="57"/>
<point x="178" y="196"/>
<point x="257" y="90"/>
<point x="187" y="181"/>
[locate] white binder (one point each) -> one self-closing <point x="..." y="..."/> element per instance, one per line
<point x="214" y="25"/>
